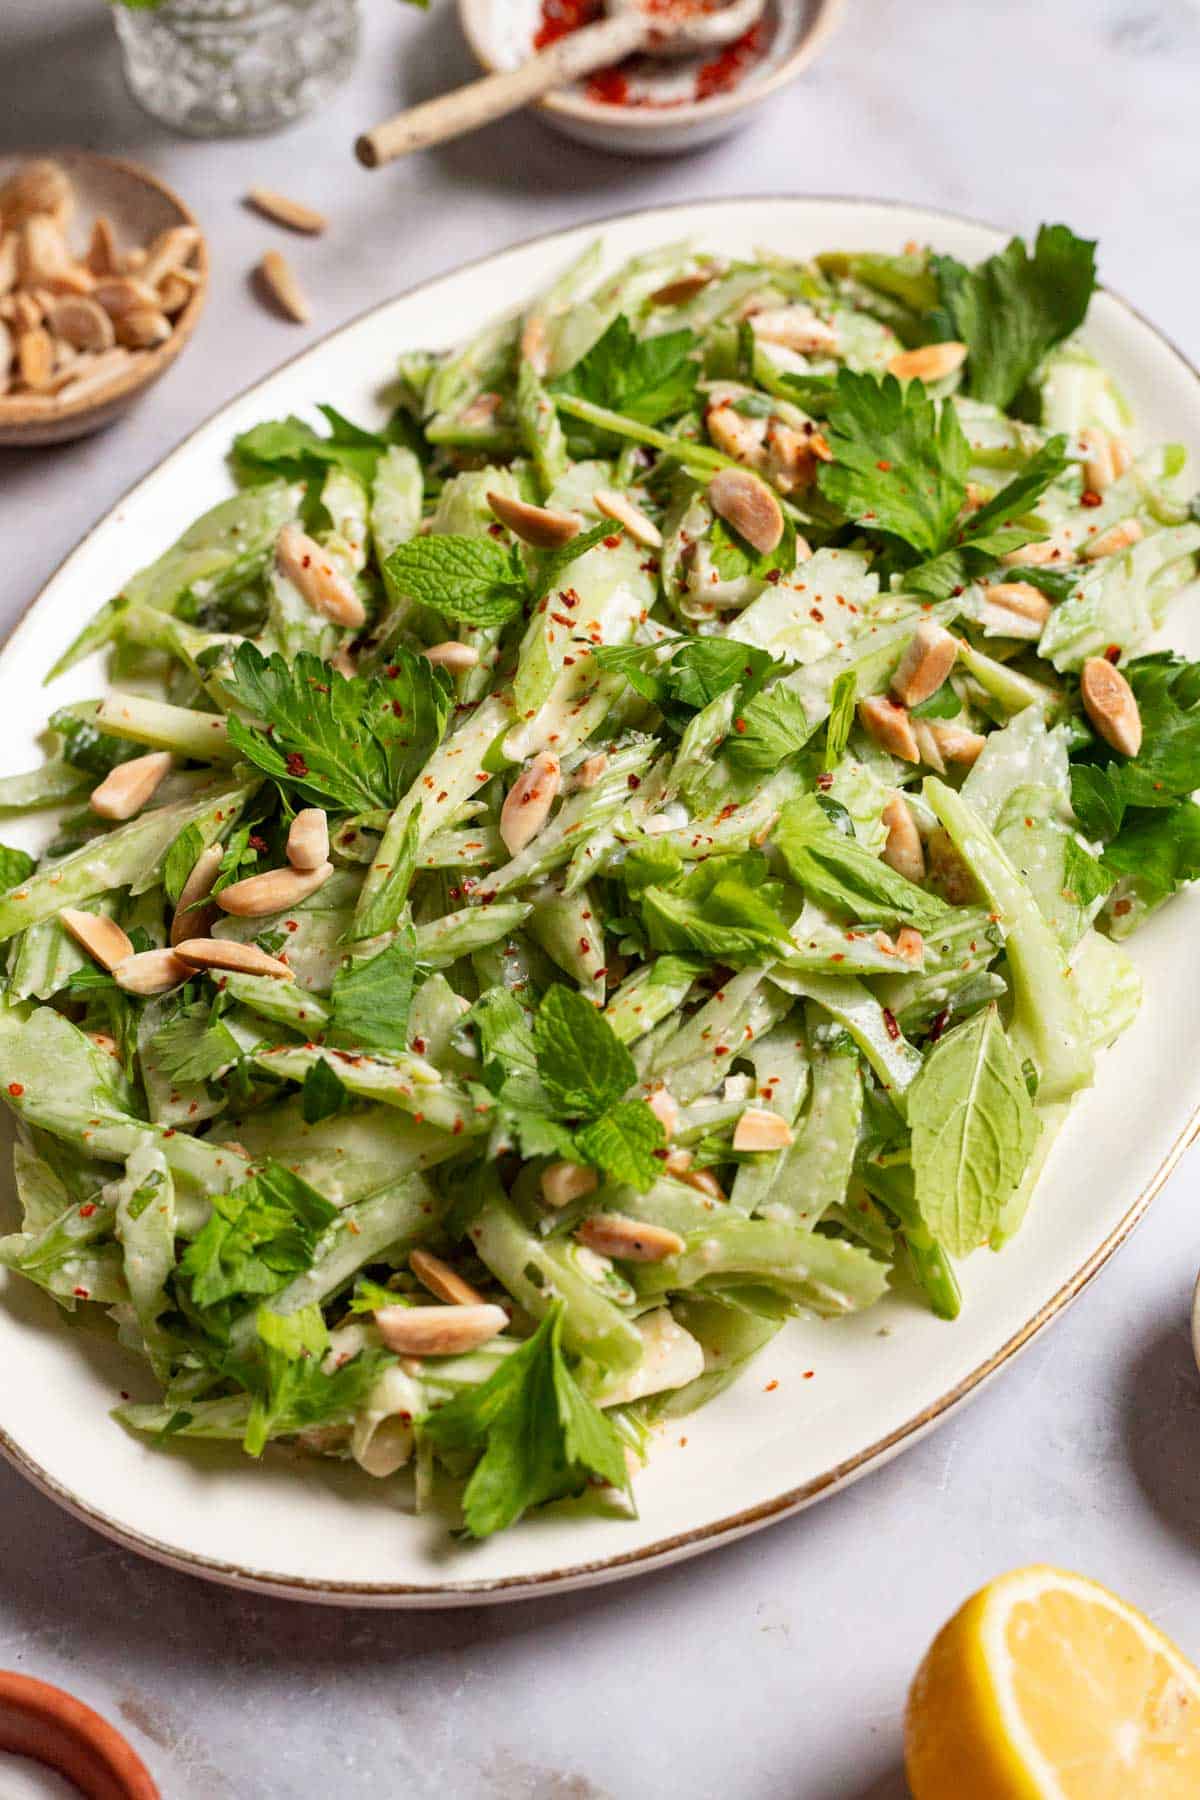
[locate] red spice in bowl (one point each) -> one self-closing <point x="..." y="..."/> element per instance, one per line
<point x="719" y="74"/>
<point x="52" y="1727"/>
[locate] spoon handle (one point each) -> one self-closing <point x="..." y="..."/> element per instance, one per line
<point x="467" y="108"/>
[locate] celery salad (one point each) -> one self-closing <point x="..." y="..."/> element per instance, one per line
<point x="637" y="848"/>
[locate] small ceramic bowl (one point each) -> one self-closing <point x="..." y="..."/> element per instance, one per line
<point x="139" y="206"/>
<point x="52" y="1727"/>
<point x="660" y="113"/>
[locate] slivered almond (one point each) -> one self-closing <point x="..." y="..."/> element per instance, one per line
<point x="1109" y="703"/>
<point x="1035" y="556"/>
<point x="317" y="577"/>
<point x="8" y="261"/>
<point x="1117" y="537"/>
<point x="121" y="294"/>
<point x="143" y="328"/>
<point x="99" y="373"/>
<point x="910" y="945"/>
<point x="79" y="321"/>
<point x="102" y="255"/>
<point x="442" y="1281"/>
<point x="273" y="891"/>
<point x="44" y="251"/>
<point x="903" y="851"/>
<point x="889" y="725"/>
<point x="174" y="292"/>
<point x="191" y="918"/>
<point x="761" y="1129"/>
<point x="482" y="412"/>
<point x="662" y="1104"/>
<point x="948" y="869"/>
<point x="739" y="437"/>
<point x="641" y="528"/>
<point x="308" y="839"/>
<point x="563" y="1182"/>
<point x="679" y="1162"/>
<point x="126" y="789"/>
<point x="1099" y="467"/>
<point x="227" y="953"/>
<point x="133" y="261"/>
<point x="590" y="771"/>
<point x="101" y="937"/>
<point x="931" y="362"/>
<point x="528" y="801"/>
<point x="150" y="972"/>
<point x="703" y="1180"/>
<point x="26" y="312"/>
<point x="452" y="655"/>
<point x="533" y="343"/>
<point x="439" y="1330"/>
<point x="955" y="743"/>
<point x="1020" y="597"/>
<point x="6" y="355"/>
<point x="279" y="282"/>
<point x="35" y="358"/>
<point x="927" y="745"/>
<point x="795" y="328"/>
<point x="928" y="659"/>
<point x="283" y="210"/>
<point x="540" y="526"/>
<point x="1122" y="456"/>
<point x="40" y="186"/>
<point x="685" y="288"/>
<point x="747" y="504"/>
<point x="632" y="1240"/>
<point x="169" y="251"/>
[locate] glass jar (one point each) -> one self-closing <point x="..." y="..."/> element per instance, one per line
<point x="216" y="68"/>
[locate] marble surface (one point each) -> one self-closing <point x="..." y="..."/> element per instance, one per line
<point x="777" y="1666"/>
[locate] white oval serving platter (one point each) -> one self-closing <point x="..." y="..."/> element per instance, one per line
<point x="827" y="1401"/>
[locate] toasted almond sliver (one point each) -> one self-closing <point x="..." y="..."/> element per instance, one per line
<point x="39" y="186"/>
<point x="102" y="253"/>
<point x="890" y="726"/>
<point x="632" y="1240"/>
<point x="1035" y="556"/>
<point x="677" y="293"/>
<point x="126" y="789"/>
<point x="44" y="250"/>
<point x="439" y="1330"/>
<point x="948" y="870"/>
<point x="170" y="250"/>
<point x="927" y="660"/>
<point x="150" y="972"/>
<point x="795" y="328"/>
<point x="226" y="953"/>
<point x="273" y="891"/>
<point x="99" y="373"/>
<point x="927" y="748"/>
<point x="1117" y="537"/>
<point x="662" y="1104"/>
<point x="739" y="437"/>
<point x="8" y="261"/>
<point x="591" y="769"/>
<point x="443" y="1282"/>
<point x="903" y="851"/>
<point x="761" y="1129"/>
<point x="191" y="919"/>
<point x="1020" y="597"/>
<point x="703" y="1180"/>
<point x="931" y="362"/>
<point x="314" y="573"/>
<point x="563" y="1182"/>
<point x="174" y="292"/>
<point x="617" y="506"/>
<point x="1099" y="468"/>
<point x="955" y="743"/>
<point x="308" y="839"/>
<point x="1111" y="706"/>
<point x="910" y="945"/>
<point x="120" y="294"/>
<point x="79" y="321"/>
<point x="143" y="328"/>
<point x="747" y="504"/>
<point x="540" y="526"/>
<point x="528" y="801"/>
<point x="452" y="655"/>
<point x="279" y="280"/>
<point x="35" y="358"/>
<point x="102" y="938"/>
<point x="286" y="211"/>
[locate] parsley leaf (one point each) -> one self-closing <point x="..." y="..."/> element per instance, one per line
<point x="734" y="559"/>
<point x="291" y="448"/>
<point x="193" y="1044"/>
<point x="694" y="671"/>
<point x="837" y="872"/>
<point x="181" y="860"/>
<point x="724" y="908"/>
<point x="647" y="379"/>
<point x="15" y="865"/>
<point x="353" y="744"/>
<point x="583" y="1065"/>
<point x="842" y="697"/>
<point x="771" y="728"/>
<point x="293" y="1390"/>
<point x="540" y="1435"/>
<point x="1013" y="308"/>
<point x="622" y="1142"/>
<point x="258" y="1237"/>
<point x="1159" y="850"/>
<point x="900" y="459"/>
<point x="1166" y="769"/>
<point x="371" y="998"/>
<point x="990" y="533"/>
<point x="506" y="1047"/>
<point x="322" y="1095"/>
<point x="478" y="580"/>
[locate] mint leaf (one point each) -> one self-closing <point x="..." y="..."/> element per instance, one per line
<point x="15" y="865"/>
<point x="371" y="998"/>
<point x="973" y="1132"/>
<point x="292" y="449"/>
<point x="725" y="908"/>
<point x="647" y="379"/>
<point x="351" y="744"/>
<point x="322" y="1095"/>
<point x="622" y="1143"/>
<point x="838" y="873"/>
<point x="258" y="1237"/>
<point x="193" y="1045"/>
<point x="479" y="580"/>
<point x="582" y="1063"/>
<point x="1013" y="308"/>
<point x="540" y="1435"/>
<point x="842" y="697"/>
<point x="771" y="728"/>
<point x="181" y="860"/>
<point x="900" y="460"/>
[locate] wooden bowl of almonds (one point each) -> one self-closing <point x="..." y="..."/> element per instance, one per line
<point x="103" y="275"/>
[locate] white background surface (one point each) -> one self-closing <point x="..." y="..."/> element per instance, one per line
<point x="778" y="1666"/>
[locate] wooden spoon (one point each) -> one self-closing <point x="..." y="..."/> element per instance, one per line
<point x="633" y="26"/>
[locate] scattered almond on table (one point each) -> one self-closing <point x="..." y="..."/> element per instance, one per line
<point x="69" y="324"/>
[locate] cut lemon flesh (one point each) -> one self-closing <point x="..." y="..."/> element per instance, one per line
<point x="1046" y="1686"/>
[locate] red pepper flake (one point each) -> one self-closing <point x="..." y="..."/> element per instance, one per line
<point x="392" y="670"/>
<point x="884" y="465"/>
<point x="634" y="782"/>
<point x="1113" y="653"/>
<point x="81" y="1293"/>
<point x="613" y="542"/>
<point x="808" y="1374"/>
<point x="889" y="1019"/>
<point x="296" y="764"/>
<point x="291" y="924"/>
<point x="825" y="780"/>
<point x="496" y="531"/>
<point x="85" y="1212"/>
<point x="739" y="725"/>
<point x="1090" y="497"/>
<point x="939" y="1025"/>
<point x="458" y="1128"/>
<point x="257" y="843"/>
<point x="724" y="71"/>
<point x="608" y="87"/>
<point x="770" y="1387"/>
<point x="16" y="1089"/>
